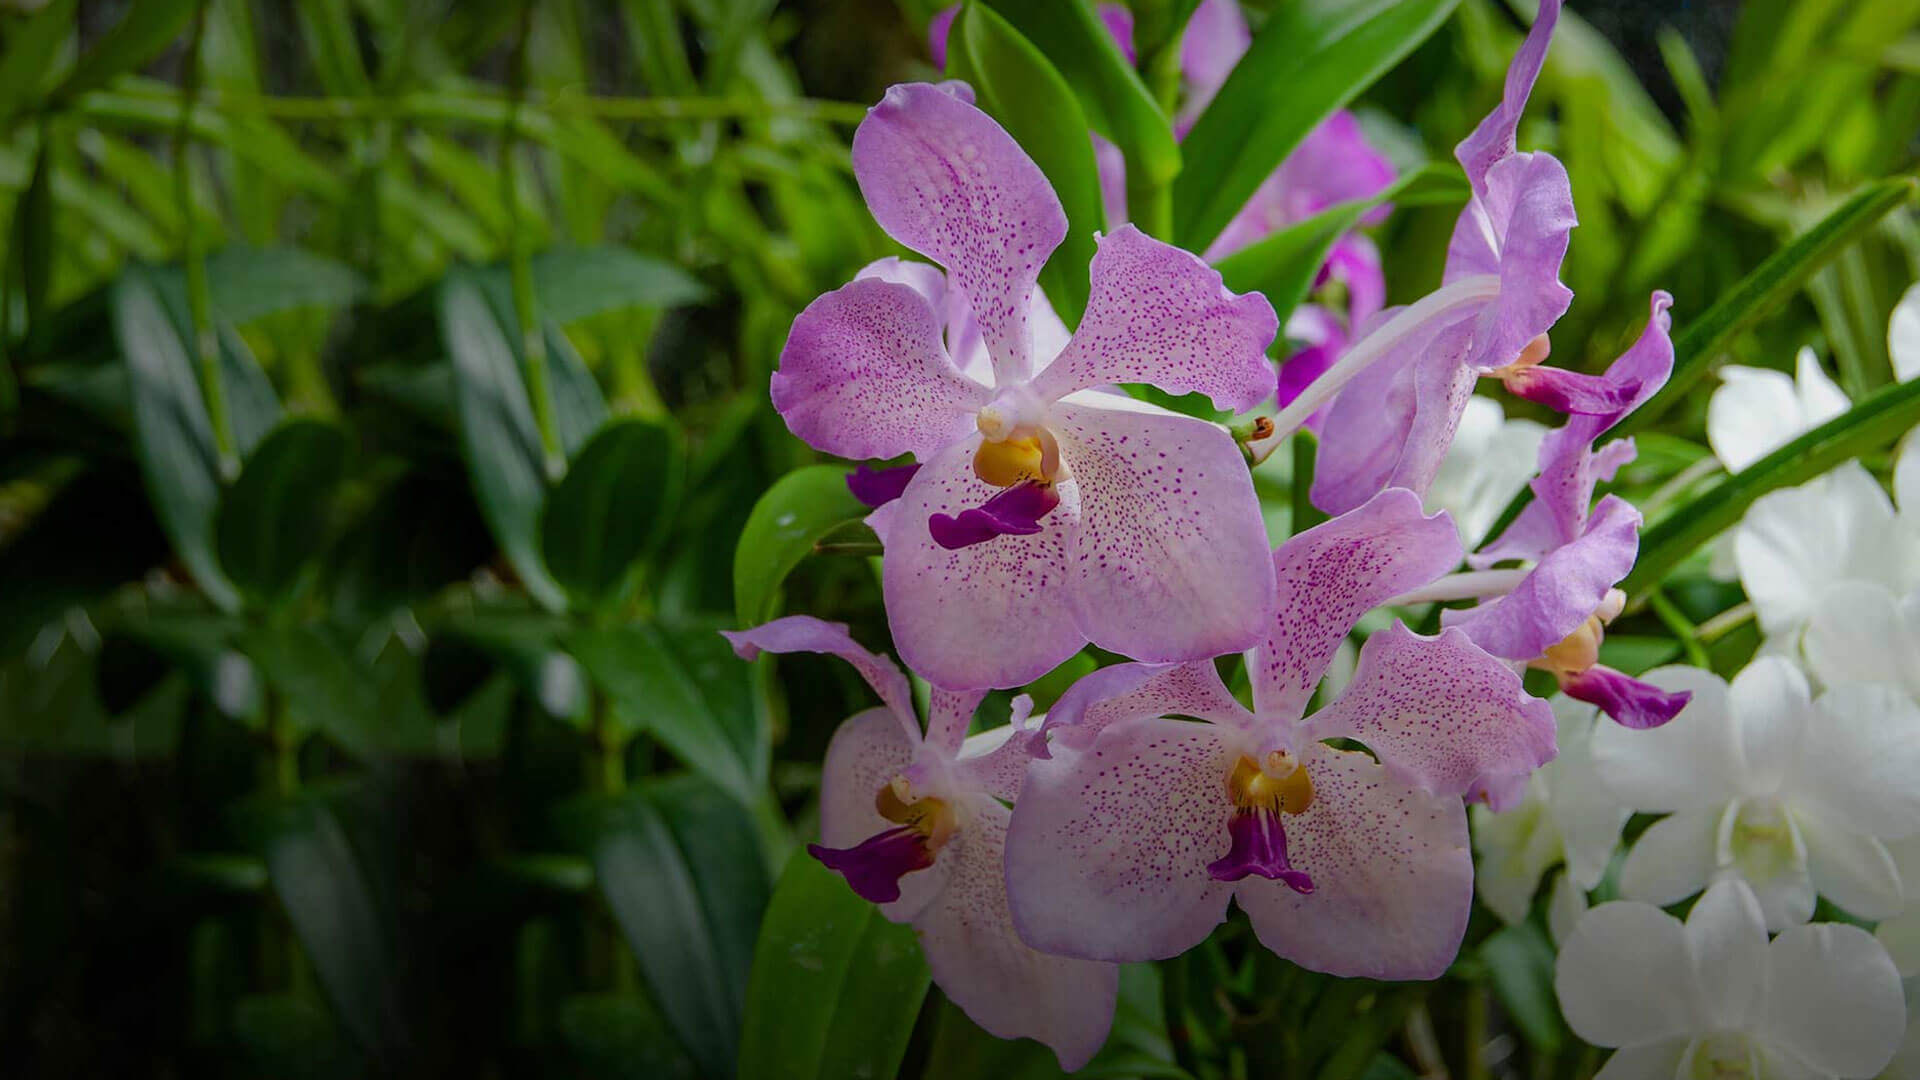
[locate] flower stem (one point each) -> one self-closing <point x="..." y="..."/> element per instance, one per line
<point x="1466" y="585"/>
<point x="1375" y="346"/>
<point x="1682" y="627"/>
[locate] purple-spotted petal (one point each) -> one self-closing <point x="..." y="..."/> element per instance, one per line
<point x="1159" y="315"/>
<point x="804" y="633"/>
<point x="864" y="374"/>
<point x="1392" y="425"/>
<point x="995" y="761"/>
<point x="1439" y="713"/>
<point x="1136" y="692"/>
<point x="1016" y="511"/>
<point x="877" y="487"/>
<point x="1561" y="592"/>
<point x="1494" y="139"/>
<point x="994" y="614"/>
<point x="1331" y="575"/>
<point x="1170" y="561"/>
<point x="946" y="181"/>
<point x="1007" y="987"/>
<point x="948" y="714"/>
<point x="1631" y="703"/>
<point x="866" y="753"/>
<point x="1392" y="876"/>
<point x="1518" y="231"/>
<point x="1108" y="850"/>
<point x="1259" y="839"/>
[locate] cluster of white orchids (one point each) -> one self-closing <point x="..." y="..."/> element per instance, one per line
<point x="1029" y="507"/>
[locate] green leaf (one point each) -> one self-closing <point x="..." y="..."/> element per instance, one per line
<point x="497" y="430"/>
<point x="667" y="682"/>
<point x="1519" y="961"/>
<point x="33" y="47"/>
<point x="1873" y="422"/>
<point x="273" y="522"/>
<point x="578" y="283"/>
<point x="139" y="36"/>
<point x="793" y="514"/>
<point x="611" y="509"/>
<point x="1705" y="337"/>
<point x="423" y="532"/>
<point x="622" y="1035"/>
<point x="1284" y="265"/>
<point x="94" y="534"/>
<point x="681" y="871"/>
<point x="291" y="1036"/>
<point x="247" y="283"/>
<point x="329" y="898"/>
<point x="1308" y="60"/>
<point x="1017" y="86"/>
<point x="324" y="689"/>
<point x="835" y="986"/>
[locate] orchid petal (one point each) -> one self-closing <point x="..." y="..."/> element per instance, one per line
<point x="1631" y="703"/>
<point x="1901" y="934"/>
<point x="1833" y="999"/>
<point x="987" y="615"/>
<point x="1368" y="431"/>
<point x="1010" y="989"/>
<point x="1216" y="38"/>
<point x="804" y="633"/>
<point x="1107" y="853"/>
<point x="1624" y="976"/>
<point x="1659" y="1060"/>
<point x="1903" y="335"/>
<point x="939" y="29"/>
<point x="1439" y="713"/>
<point x="1673" y="859"/>
<point x="1585" y="811"/>
<point x="1795" y="543"/>
<point x="995" y="761"/>
<point x="1863" y="633"/>
<point x="864" y="375"/>
<point x="1490" y="461"/>
<point x="1170" y="562"/>
<point x="1516" y="847"/>
<point x="949" y="712"/>
<point x="1753" y="412"/>
<point x="1559" y="594"/>
<point x="1325" y="340"/>
<point x="1118" y="19"/>
<point x="1527" y="211"/>
<point x="1690" y="763"/>
<point x="1331" y="575"/>
<point x="1493" y="140"/>
<point x="1333" y="164"/>
<point x="1159" y="315"/>
<point x="1727" y="939"/>
<point x="877" y="487"/>
<point x="866" y="753"/>
<point x="1016" y="511"/>
<point x="1354" y="261"/>
<point x="1392" y="876"/>
<point x="1860" y="766"/>
<point x="1567" y="391"/>
<point x="1140" y="691"/>
<point x="944" y="179"/>
<point x="1851" y="869"/>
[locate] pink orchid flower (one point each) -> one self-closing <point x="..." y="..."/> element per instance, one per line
<point x="917" y="824"/>
<point x="1045" y="514"/>
<point x="1132" y="835"/>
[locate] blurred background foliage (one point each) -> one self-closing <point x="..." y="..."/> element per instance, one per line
<point x="384" y="405"/>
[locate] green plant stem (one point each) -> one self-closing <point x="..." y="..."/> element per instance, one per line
<point x="1682" y="627"/>
<point x="206" y="346"/>
<point x="137" y="105"/>
<point x="1149" y="205"/>
<point x="284" y="740"/>
<point x="533" y="344"/>
<point x="1724" y="623"/>
<point x="1473" y="1034"/>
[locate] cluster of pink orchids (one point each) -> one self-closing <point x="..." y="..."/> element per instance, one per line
<point x="1046" y="510"/>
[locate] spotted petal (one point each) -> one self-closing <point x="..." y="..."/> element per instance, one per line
<point x="866" y="753"/>
<point x="804" y="633"/>
<point x="1562" y="592"/>
<point x="1140" y="691"/>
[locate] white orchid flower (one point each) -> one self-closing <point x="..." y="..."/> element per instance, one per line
<point x="1756" y="411"/>
<point x="1490" y="461"/>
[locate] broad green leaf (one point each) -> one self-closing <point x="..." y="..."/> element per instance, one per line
<point x="1283" y="265"/>
<point x="246" y="283"/>
<point x="611" y="509"/>
<point x="666" y="681"/>
<point x="323" y="686"/>
<point x="1519" y="962"/>
<point x="272" y="523"/>
<point x="142" y="32"/>
<point x="1873" y="423"/>
<point x="1016" y="85"/>
<point x="329" y="898"/>
<point x="1308" y="60"/>
<point x="578" y="283"/>
<point x="622" y="1036"/>
<point x="835" y="986"/>
<point x="1703" y="338"/>
<point x="33" y="46"/>
<point x="792" y="516"/>
<point x="681" y="871"/>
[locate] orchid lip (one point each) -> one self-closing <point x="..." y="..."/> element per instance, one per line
<point x="1014" y="512"/>
<point x="1261" y="794"/>
<point x="875" y="866"/>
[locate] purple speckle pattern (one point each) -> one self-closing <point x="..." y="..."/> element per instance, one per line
<point x="1170" y="561"/>
<point x="1392" y="875"/>
<point x="948" y="714"/>
<point x="1331" y="575"/>
<point x="1439" y="712"/>
<point x="1108" y="851"/>
<point x="982" y="616"/>
<point x="864" y="375"/>
<point x="1159" y="315"/>
<point x="1140" y="691"/>
<point x="804" y="633"/>
<point x="944" y="179"/>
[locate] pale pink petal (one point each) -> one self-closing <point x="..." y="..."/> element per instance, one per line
<point x="1216" y="38"/>
<point x="946" y="181"/>
<point x="1393" y="879"/>
<point x="1494" y="138"/>
<point x="1108" y="851"/>
<point x="948" y="714"/>
<point x="804" y="633"/>
<point x="1519" y="230"/>
<point x="1331" y="575"/>
<point x="1562" y="592"/>
<point x="1139" y="691"/>
<point x="1439" y="713"/>
<point x="1170" y="560"/>
<point x="1159" y="315"/>
<point x="995" y="761"/>
<point x="866" y="753"/>
<point x="1007" y="987"/>
<point x="994" y="614"/>
<point x="864" y="375"/>
<point x="938" y="30"/>
<point x="1118" y="19"/>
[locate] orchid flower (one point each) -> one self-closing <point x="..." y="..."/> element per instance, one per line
<point x="1490" y="461"/>
<point x="1042" y="516"/>
<point x="1900" y="932"/>
<point x="1903" y="335"/>
<point x="1567" y="814"/>
<point x="1755" y="411"/>
<point x="917" y="824"/>
<point x="1134" y="829"/>
<point x="1766" y="782"/>
<point x="1713" y="998"/>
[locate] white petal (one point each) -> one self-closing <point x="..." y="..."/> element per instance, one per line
<point x="1673" y="859"/>
<point x="1863" y="764"/>
<point x="1691" y="761"/>
<point x="1585" y="810"/>
<point x="1833" y="999"/>
<point x="1821" y="399"/>
<point x="1727" y="938"/>
<point x="1901" y="934"/>
<point x="1849" y="868"/>
<point x="1861" y="633"/>
<point x="1565" y="907"/>
<point x="1514" y="848"/>
<point x="1623" y="978"/>
<point x="1771" y="707"/>
<point x="1903" y="335"/>
<point x="1906" y="477"/>
<point x="1754" y="411"/>
<point x="1760" y="843"/>
<point x="1654" y="1061"/>
<point x="1796" y="542"/>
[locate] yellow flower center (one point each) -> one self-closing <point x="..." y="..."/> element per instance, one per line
<point x="930" y="817"/>
<point x="1009" y="461"/>
<point x="1279" y="784"/>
